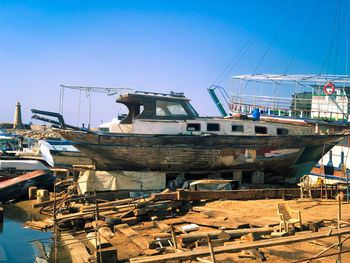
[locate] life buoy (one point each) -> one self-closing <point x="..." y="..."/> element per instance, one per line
<point x="329" y="85"/>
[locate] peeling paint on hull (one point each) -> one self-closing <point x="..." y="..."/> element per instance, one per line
<point x="199" y="153"/>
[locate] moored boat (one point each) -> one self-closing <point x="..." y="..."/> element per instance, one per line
<point x="13" y="168"/>
<point x="18" y="186"/>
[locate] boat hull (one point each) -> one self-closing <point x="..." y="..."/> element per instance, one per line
<point x="18" y="186"/>
<point x="271" y="154"/>
<point x="62" y="154"/>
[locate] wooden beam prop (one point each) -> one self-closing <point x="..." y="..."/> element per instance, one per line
<point x="250" y="194"/>
<point x="191" y="237"/>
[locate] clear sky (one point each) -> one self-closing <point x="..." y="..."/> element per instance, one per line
<point x="157" y="46"/>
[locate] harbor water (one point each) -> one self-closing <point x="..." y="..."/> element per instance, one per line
<point x="17" y="243"/>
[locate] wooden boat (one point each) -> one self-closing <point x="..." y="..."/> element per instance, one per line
<point x="60" y="153"/>
<point x="164" y="133"/>
<point x="18" y="186"/>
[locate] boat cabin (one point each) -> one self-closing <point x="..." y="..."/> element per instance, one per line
<point x="157" y="113"/>
<point x="145" y="105"/>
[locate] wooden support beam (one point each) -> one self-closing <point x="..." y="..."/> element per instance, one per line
<point x="212" y="255"/>
<point x="191" y="237"/>
<point x="239" y="247"/>
<point x="251" y="194"/>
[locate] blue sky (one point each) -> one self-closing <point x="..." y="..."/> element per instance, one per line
<point x="157" y="46"/>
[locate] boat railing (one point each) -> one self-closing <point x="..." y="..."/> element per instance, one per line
<point x="287" y="112"/>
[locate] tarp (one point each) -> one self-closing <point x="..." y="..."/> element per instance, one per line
<point x="121" y="180"/>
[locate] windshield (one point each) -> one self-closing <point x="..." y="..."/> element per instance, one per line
<point x="169" y="108"/>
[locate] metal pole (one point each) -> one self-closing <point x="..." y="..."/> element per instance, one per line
<point x="89" y="109"/>
<point x="79" y="108"/>
<point x="55" y="223"/>
<point x="339" y="226"/>
<point x="347" y="185"/>
<point x="97" y="233"/>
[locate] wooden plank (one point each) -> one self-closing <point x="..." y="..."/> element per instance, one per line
<point x="165" y="196"/>
<point x="211" y="222"/>
<point x="72" y="216"/>
<point x="191" y="237"/>
<point x="212" y="254"/>
<point x="246" y="194"/>
<point x="239" y="247"/>
<point x="110" y="207"/>
<point x="163" y="227"/>
<point x="135" y="237"/>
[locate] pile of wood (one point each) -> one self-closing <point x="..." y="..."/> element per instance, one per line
<point x="102" y="230"/>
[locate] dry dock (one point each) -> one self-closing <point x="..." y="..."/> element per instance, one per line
<point x="152" y="230"/>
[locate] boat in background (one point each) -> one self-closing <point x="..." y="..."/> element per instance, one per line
<point x="13" y="168"/>
<point x="60" y="153"/>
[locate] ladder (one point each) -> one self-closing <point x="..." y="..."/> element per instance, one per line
<point x="216" y="100"/>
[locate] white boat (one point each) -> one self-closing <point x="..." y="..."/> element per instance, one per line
<point x="60" y="153"/>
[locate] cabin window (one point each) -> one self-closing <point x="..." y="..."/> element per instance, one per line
<point x="169" y="108"/>
<point x="281" y="131"/>
<point x="213" y="127"/>
<point x="237" y="128"/>
<point x="193" y="127"/>
<point x="260" y="130"/>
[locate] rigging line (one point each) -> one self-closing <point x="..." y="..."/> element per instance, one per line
<point x="79" y="103"/>
<point x="253" y="42"/>
<point x="333" y="41"/>
<point x="249" y="42"/>
<point x="304" y="36"/>
<point x="274" y="38"/>
<point x="333" y="34"/>
<point x="336" y="48"/>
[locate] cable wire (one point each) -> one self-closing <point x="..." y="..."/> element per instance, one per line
<point x="304" y="36"/>
<point x="249" y="42"/>
<point x="275" y="36"/>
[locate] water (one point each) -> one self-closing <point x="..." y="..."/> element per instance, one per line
<point x="14" y="239"/>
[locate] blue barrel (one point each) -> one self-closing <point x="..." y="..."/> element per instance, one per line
<point x="256" y="114"/>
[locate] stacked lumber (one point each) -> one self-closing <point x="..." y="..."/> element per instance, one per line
<point x="39" y="225"/>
